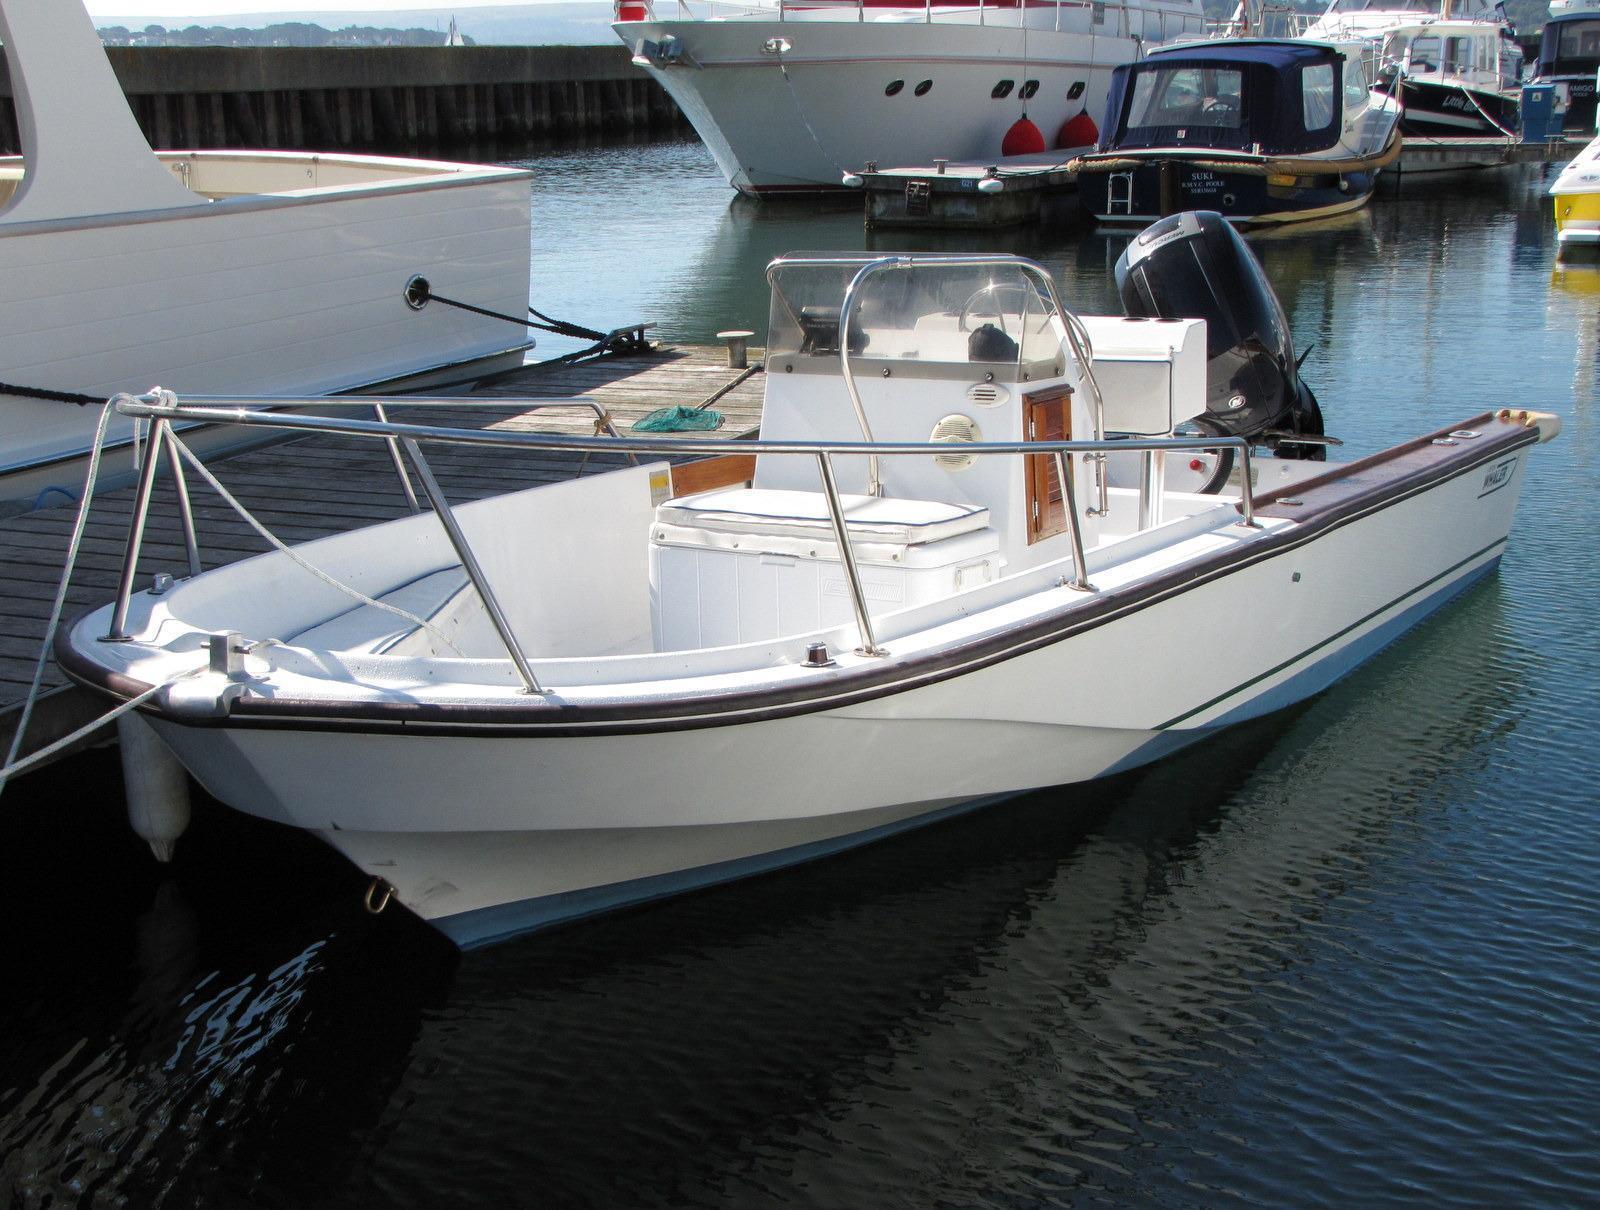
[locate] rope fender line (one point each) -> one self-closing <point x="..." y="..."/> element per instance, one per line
<point x="1295" y="166"/>
<point x="45" y="393"/>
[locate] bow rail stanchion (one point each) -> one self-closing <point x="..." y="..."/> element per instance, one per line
<point x="469" y="563"/>
<point x="163" y="408"/>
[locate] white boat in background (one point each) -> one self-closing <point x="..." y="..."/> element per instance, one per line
<point x="1453" y="79"/>
<point x="1454" y="66"/>
<point x="923" y="595"/>
<point x="1370" y="20"/>
<point x="221" y="270"/>
<point x="790" y="95"/>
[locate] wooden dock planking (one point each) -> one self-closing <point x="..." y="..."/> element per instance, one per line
<point x="313" y="486"/>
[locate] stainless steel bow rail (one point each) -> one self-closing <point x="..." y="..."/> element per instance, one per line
<point x="163" y="408"/>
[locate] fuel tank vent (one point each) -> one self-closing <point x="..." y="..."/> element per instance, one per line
<point x="987" y="394"/>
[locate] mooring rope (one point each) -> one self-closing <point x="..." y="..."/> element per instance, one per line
<point x="806" y="121"/>
<point x="557" y="327"/>
<point x="11" y="388"/>
<point x="295" y="557"/>
<point x="74" y="544"/>
<point x="66" y="741"/>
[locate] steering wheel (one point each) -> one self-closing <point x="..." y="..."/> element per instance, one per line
<point x="995" y="287"/>
<point x="1220" y="106"/>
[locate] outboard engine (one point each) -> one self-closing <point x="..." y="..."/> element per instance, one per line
<point x="1194" y="265"/>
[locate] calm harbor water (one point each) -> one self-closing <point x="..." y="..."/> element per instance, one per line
<point x="1345" y="955"/>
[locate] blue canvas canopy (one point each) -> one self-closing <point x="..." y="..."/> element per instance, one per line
<point x="1284" y="98"/>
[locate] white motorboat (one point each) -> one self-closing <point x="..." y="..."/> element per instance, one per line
<point x="1576" y="193"/>
<point x="790" y="95"/>
<point x="222" y="270"/>
<point x="1371" y="20"/>
<point x="925" y="595"/>
<point x="1455" y="66"/>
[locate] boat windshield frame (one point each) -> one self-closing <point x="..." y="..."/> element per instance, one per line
<point x="911" y="319"/>
<point x="1273" y="100"/>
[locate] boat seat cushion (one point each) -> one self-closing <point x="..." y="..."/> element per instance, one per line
<point x="363" y="628"/>
<point x="804" y="515"/>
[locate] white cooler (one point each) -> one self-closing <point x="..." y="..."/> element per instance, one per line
<point x="739" y="565"/>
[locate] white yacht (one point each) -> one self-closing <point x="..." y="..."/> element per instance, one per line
<point x="925" y="596"/>
<point x="221" y="270"/>
<point x="790" y="95"/>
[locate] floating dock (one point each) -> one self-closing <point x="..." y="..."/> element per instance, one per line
<point x="1418" y="154"/>
<point x="1007" y="192"/>
<point x="309" y="487"/>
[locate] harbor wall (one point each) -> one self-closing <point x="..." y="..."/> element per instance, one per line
<point x="394" y="99"/>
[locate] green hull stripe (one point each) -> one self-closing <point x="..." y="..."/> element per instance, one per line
<point x="1332" y="638"/>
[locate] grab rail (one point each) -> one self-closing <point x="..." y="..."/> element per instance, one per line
<point x="1073" y="335"/>
<point x="163" y="407"/>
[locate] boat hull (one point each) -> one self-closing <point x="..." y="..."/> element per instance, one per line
<point x="799" y="124"/>
<point x="1442" y="111"/>
<point x="302" y="292"/>
<point x="1158" y="186"/>
<point x="487" y="829"/>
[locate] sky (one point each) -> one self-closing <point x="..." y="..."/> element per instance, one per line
<point x="112" y="9"/>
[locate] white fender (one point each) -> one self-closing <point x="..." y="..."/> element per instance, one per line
<point x="155" y="784"/>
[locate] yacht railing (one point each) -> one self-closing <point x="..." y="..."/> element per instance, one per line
<point x="987" y="12"/>
<point x="163" y="409"/>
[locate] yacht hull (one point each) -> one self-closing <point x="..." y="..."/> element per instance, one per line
<point x="1447" y="110"/>
<point x="799" y="122"/>
<point x="485" y="826"/>
<point x="302" y="292"/>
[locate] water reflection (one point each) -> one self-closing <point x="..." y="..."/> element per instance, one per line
<point x="1341" y="954"/>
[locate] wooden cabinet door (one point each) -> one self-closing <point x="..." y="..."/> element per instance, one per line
<point x="1046" y="416"/>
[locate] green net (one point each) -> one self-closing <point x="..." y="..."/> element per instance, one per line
<point x="679" y="419"/>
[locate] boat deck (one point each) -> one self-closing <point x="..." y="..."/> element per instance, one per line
<point x="309" y="487"/>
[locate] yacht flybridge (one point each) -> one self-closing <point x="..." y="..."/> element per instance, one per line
<point x="790" y="95"/>
<point x="221" y="270"/>
<point x="927" y="594"/>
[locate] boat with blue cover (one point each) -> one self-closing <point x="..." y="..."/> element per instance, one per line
<point x="1261" y="130"/>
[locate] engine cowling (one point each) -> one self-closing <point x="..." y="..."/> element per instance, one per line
<point x="1195" y="265"/>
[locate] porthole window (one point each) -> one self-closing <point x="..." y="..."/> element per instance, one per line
<point x="1002" y="89"/>
<point x="921" y="90"/>
<point x="1075" y="91"/>
<point x="1028" y="89"/>
<point x="894" y="87"/>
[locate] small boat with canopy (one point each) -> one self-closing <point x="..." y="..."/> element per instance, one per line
<point x="1260" y="130"/>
